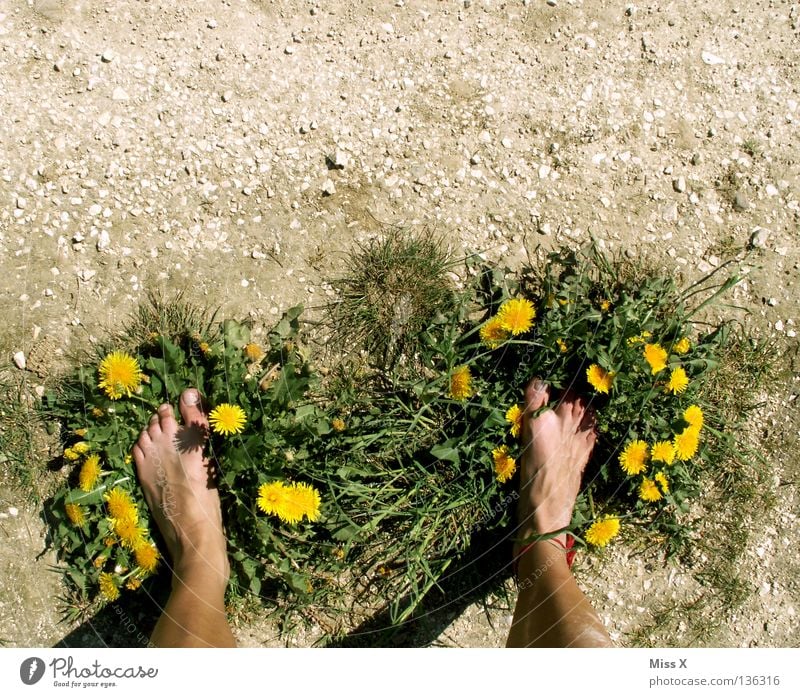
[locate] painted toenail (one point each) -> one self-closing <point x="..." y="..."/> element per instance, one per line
<point x="190" y="397"/>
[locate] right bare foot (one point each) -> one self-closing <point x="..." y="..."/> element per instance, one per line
<point x="556" y="447"/>
<point x="178" y="486"/>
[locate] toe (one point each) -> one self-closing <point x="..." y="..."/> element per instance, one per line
<point x="166" y="420"/>
<point x="192" y="409"/>
<point x="537" y="394"/>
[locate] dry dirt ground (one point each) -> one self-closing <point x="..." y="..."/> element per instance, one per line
<point x="236" y="149"/>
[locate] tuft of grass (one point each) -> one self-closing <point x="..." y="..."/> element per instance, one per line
<point x="17" y="435"/>
<point x="173" y="318"/>
<point x="395" y="287"/>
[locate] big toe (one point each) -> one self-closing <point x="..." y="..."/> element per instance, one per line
<point x="537" y="394"/>
<point x="191" y="407"/>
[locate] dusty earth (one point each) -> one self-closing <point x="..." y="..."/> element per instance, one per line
<point x="236" y="149"/>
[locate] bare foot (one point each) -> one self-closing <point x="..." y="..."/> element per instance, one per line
<point x="556" y="447"/>
<point x="179" y="489"/>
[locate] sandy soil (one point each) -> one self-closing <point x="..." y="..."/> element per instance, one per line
<point x="236" y="149"/>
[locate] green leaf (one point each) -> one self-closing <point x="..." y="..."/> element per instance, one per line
<point x="446" y="452"/>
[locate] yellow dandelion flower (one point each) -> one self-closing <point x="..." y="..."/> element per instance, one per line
<point x="97" y="413"/>
<point x="100" y="561"/>
<point x="90" y="473"/>
<point x="75" y="514"/>
<point x="120" y="505"/>
<point x="120" y="375"/>
<point x="271" y="497"/>
<point x="493" y="333"/>
<point x="81" y="447"/>
<point x="562" y="346"/>
<point x="461" y="383"/>
<point x="338" y="552"/>
<point x="70" y="454"/>
<point x="253" y="352"/>
<point x="602" y="531"/>
<point x="133" y="583"/>
<point x="634" y="458"/>
<point x="656" y="357"/>
<point x="605" y="305"/>
<point x="514" y="416"/>
<point x="648" y="491"/>
<point x="130" y="534"/>
<point x="678" y="381"/>
<point x="109" y="541"/>
<point x="309" y="500"/>
<point x="227" y="419"/>
<point x="205" y="349"/>
<point x="338" y="424"/>
<point x="108" y="587"/>
<point x="600" y="379"/>
<point x="682" y="346"/>
<point x="517" y="315"/>
<point x="663" y="451"/>
<point x="694" y="416"/>
<point x="80" y="432"/>
<point x="686" y="443"/>
<point x="504" y="464"/>
<point x="147" y="557"/>
<point x="662" y="481"/>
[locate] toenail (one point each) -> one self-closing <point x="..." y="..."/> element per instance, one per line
<point x="190" y="397"/>
<point x="537" y="385"/>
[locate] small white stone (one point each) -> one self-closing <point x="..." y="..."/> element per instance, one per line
<point x="679" y="184"/>
<point x="506" y="142"/>
<point x="119" y="95"/>
<point x="212" y="24"/>
<point x="227" y="95"/>
<point x="289" y="50"/>
<point x="95" y="209"/>
<point x="108" y="56"/>
<point x="779" y="325"/>
<point x="771" y="190"/>
<point x="328" y="188"/>
<point x="19" y="360"/>
<point x="22" y="203"/>
<point x="711" y="59"/>
<point x="13" y="512"/>
<point x="103" y="241"/>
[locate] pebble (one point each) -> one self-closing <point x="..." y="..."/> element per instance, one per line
<point x="19" y="360"/>
<point x="227" y="95"/>
<point x="340" y="159"/>
<point x="95" y="209"/>
<point x="670" y="212"/>
<point x="13" y="511"/>
<point x="212" y="24"/>
<point x="740" y="201"/>
<point x="108" y="55"/>
<point x="711" y="58"/>
<point x="771" y="190"/>
<point x="289" y="50"/>
<point x="21" y="203"/>
<point x="103" y="241"/>
<point x="328" y="188"/>
<point x="119" y="95"/>
<point x="679" y="184"/>
<point x="759" y="238"/>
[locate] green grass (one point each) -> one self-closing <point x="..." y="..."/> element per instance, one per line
<point x="395" y="287"/>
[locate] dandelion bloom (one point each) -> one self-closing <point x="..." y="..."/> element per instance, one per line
<point x="108" y="587"/>
<point x="253" y="352"/>
<point x="656" y="357"/>
<point x="97" y="413"/>
<point x="81" y="432"/>
<point x="678" y="381"/>
<point x="514" y="417"/>
<point x="662" y="481"/>
<point x="599" y="378"/>
<point x="517" y="315"/>
<point x="605" y="305"/>
<point x="130" y="534"/>
<point x="686" y="443"/>
<point x="504" y="464"/>
<point x="648" y="491"/>
<point x="75" y="514"/>
<point x="133" y="583"/>
<point x="634" y="458"/>
<point x="70" y="454"/>
<point x="147" y="557"/>
<point x="682" y="346"/>
<point x="461" y="383"/>
<point x="81" y="447"/>
<point x="694" y="416"/>
<point x="289" y="502"/>
<point x="602" y="531"/>
<point x="562" y="346"/>
<point x="663" y="451"/>
<point x="338" y="424"/>
<point x="120" y="375"/>
<point x="90" y="473"/>
<point x="492" y="333"/>
<point x="120" y="505"/>
<point x="310" y="500"/>
<point x="227" y="419"/>
<point x="100" y="561"/>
